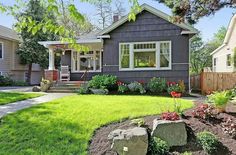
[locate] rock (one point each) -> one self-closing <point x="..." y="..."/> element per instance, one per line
<point x="173" y="132"/>
<point x="36" y="89"/>
<point x="99" y="91"/>
<point x="132" y="141"/>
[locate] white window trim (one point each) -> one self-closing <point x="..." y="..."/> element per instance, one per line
<point x="1" y="73"/>
<point x="84" y="56"/>
<point x="131" y="44"/>
<point x="2" y="50"/>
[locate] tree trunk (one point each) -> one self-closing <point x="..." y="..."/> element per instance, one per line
<point x="28" y="80"/>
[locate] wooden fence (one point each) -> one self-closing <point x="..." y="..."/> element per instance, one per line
<point x="213" y="81"/>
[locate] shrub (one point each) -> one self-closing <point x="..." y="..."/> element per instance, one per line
<point x="122" y="87"/>
<point x="83" y="89"/>
<point x="157" y="85"/>
<point x="170" y="116"/>
<point x="174" y="88"/>
<point x="103" y="82"/>
<point x="208" y="141"/>
<point x="6" y="81"/>
<point x="136" y="87"/>
<point x="181" y="86"/>
<point x="158" y="146"/>
<point x="20" y="83"/>
<point x="204" y="111"/>
<point x="219" y="99"/>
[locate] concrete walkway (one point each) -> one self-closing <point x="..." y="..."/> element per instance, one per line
<point x="15" y="88"/>
<point x="13" y="107"/>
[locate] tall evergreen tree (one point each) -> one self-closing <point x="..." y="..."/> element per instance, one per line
<point x="29" y="50"/>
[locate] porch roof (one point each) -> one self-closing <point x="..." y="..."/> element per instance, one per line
<point x="90" y="38"/>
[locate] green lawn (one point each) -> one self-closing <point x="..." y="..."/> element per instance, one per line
<point x="66" y="125"/>
<point x="10" y="97"/>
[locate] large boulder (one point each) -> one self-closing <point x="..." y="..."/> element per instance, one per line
<point x="173" y="132"/>
<point x="132" y="141"/>
<point x="36" y="89"/>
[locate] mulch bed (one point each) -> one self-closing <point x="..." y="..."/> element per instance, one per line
<point x="99" y="144"/>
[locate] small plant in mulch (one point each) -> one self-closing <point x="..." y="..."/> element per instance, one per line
<point x="158" y="146"/>
<point x="204" y="112"/>
<point x="170" y="116"/>
<point x="138" y="122"/>
<point x="208" y="141"/>
<point x="229" y="127"/>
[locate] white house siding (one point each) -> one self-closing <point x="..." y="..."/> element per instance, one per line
<point x="221" y="55"/>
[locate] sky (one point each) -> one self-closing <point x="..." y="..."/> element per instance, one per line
<point x="206" y="25"/>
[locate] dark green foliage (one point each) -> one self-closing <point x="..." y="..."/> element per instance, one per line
<point x="6" y="81"/>
<point x="208" y="141"/>
<point x="195" y="9"/>
<point x="103" y="82"/>
<point x="29" y="50"/>
<point x="157" y="85"/>
<point x="175" y="88"/>
<point x="83" y="89"/>
<point x="158" y="146"/>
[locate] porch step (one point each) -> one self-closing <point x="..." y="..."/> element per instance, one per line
<point x="66" y="86"/>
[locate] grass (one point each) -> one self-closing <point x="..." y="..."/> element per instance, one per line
<point x="65" y="126"/>
<point x="9" y="97"/>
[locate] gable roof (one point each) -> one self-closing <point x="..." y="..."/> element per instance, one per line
<point x="187" y="27"/>
<point x="8" y="33"/>
<point x="232" y="26"/>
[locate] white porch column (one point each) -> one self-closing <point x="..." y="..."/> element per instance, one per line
<point x="51" y="59"/>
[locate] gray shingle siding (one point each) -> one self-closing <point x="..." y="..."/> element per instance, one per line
<point x="148" y="27"/>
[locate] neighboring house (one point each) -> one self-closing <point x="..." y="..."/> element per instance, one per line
<point x="9" y="60"/>
<point x="222" y="56"/>
<point x="149" y="47"/>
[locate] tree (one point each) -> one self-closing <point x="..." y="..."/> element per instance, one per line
<point x="193" y="10"/>
<point x="119" y="8"/>
<point x="104" y="13"/>
<point x="197" y="57"/>
<point x="29" y="50"/>
<point x="79" y="27"/>
<point x="200" y="52"/>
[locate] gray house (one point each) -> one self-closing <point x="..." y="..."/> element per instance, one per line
<point x="151" y="46"/>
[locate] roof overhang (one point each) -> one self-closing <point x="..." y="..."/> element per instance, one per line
<point x="80" y="41"/>
<point x="190" y="29"/>
<point x="230" y="29"/>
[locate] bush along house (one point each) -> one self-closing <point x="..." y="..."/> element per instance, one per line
<point x="151" y="46"/>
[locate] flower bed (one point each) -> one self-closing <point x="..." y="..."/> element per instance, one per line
<point x="218" y="127"/>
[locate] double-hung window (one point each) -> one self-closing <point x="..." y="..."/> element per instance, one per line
<point x="1" y="50"/>
<point x="145" y="55"/>
<point x="82" y="61"/>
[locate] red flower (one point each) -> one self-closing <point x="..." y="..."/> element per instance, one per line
<point x="141" y="82"/>
<point x="169" y="83"/>
<point x="175" y="94"/>
<point x="171" y="116"/>
<point x="119" y="83"/>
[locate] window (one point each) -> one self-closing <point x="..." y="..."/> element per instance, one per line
<point x="142" y="55"/>
<point x="83" y="61"/>
<point x="1" y="50"/>
<point x="214" y="64"/>
<point x="229" y="59"/>
<point x="125" y="55"/>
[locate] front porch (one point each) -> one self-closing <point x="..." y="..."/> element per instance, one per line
<point x="67" y="64"/>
